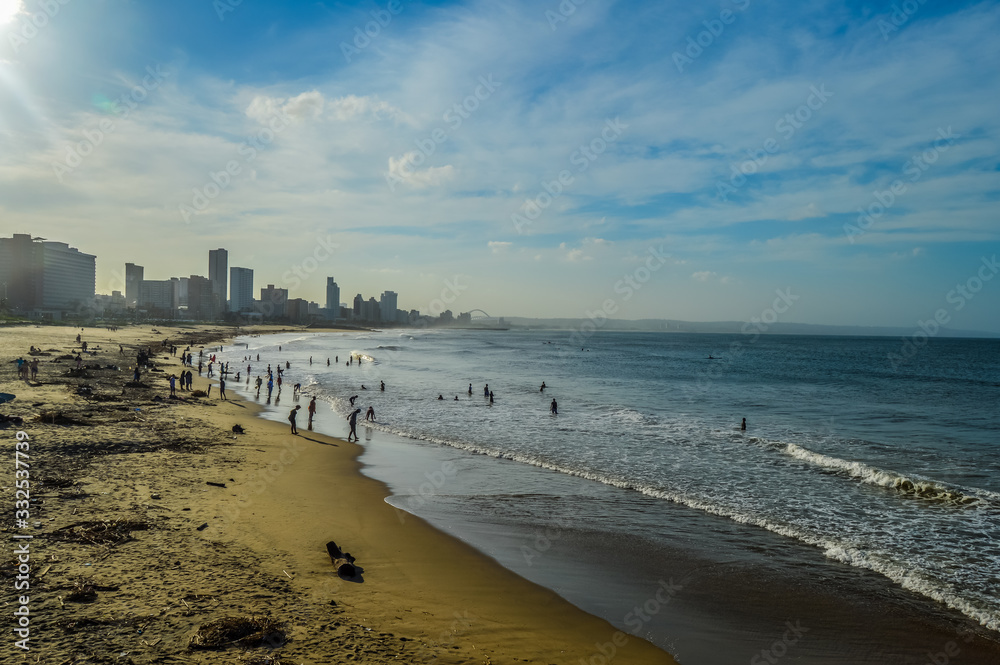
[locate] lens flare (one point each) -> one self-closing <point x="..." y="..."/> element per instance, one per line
<point x="8" y="10"/>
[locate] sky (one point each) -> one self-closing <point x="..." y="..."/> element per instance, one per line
<point x="681" y="160"/>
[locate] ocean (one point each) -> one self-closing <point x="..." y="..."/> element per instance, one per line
<point x="856" y="519"/>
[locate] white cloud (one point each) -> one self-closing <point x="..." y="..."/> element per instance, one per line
<point x="704" y="275"/>
<point x="402" y="169"/>
<point x="499" y="247"/>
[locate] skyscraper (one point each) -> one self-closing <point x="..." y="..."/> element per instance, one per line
<point x="332" y="298"/>
<point x="45" y="275"/>
<point x="133" y="278"/>
<point x="202" y="301"/>
<point x="240" y="289"/>
<point x="218" y="275"/>
<point x="387" y="305"/>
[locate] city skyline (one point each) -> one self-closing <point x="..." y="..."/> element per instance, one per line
<point x="670" y="160"/>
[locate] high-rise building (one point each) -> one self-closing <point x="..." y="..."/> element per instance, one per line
<point x="359" y="302"/>
<point x="202" y="300"/>
<point x="332" y="298"/>
<point x="133" y="278"/>
<point x="218" y="275"/>
<point x="160" y="296"/>
<point x="272" y="301"/>
<point x="240" y="289"/>
<point x="45" y="275"/>
<point x="387" y="305"/>
<point x="370" y="311"/>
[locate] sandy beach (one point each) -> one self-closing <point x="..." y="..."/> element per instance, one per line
<point x="159" y="535"/>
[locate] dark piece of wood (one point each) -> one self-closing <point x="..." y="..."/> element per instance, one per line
<point x="209" y="482"/>
<point x="342" y="561"/>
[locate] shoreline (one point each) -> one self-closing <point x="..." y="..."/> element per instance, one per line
<point x="199" y="552"/>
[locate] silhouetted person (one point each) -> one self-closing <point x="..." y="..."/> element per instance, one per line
<point x="291" y="418"/>
<point x="554" y="408"/>
<point x="370" y="414"/>
<point x="353" y="420"/>
<point x="743" y="427"/>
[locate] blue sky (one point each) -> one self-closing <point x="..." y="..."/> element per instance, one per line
<point x="535" y="152"/>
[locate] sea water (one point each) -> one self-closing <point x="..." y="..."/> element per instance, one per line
<point x="856" y="456"/>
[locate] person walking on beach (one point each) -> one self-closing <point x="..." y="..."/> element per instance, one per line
<point x="222" y="388"/>
<point x="270" y="387"/>
<point x="353" y="420"/>
<point x="370" y="414"/>
<point x="291" y="418"/>
<point x="312" y="412"/>
<point x="554" y="408"/>
<point x="173" y="386"/>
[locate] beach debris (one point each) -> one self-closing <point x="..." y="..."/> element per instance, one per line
<point x="342" y="561"/>
<point x="82" y="593"/>
<point x="260" y="659"/>
<point x="238" y="429"/>
<point x="112" y="532"/>
<point x="58" y="418"/>
<point x="199" y="393"/>
<point x="202" y="527"/>
<point x="209" y="482"/>
<point x="242" y="631"/>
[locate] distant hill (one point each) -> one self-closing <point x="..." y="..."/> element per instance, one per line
<point x="735" y="327"/>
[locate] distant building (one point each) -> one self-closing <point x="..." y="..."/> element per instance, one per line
<point x="218" y="274"/>
<point x="133" y="277"/>
<point x="297" y="310"/>
<point x="359" y="303"/>
<point x="465" y="318"/>
<point x="332" y="298"/>
<point x="240" y="289"/>
<point x="161" y="297"/>
<point x="387" y="306"/>
<point x="371" y="311"/>
<point x="203" y="304"/>
<point x="272" y="302"/>
<point x="45" y="276"/>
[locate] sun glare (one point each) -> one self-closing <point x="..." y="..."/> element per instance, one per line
<point x="9" y="9"/>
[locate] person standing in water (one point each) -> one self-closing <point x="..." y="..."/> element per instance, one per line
<point x="353" y="420"/>
<point x="743" y="426"/>
<point x="312" y="412"/>
<point x="370" y="414"/>
<point x="470" y="388"/>
<point x="554" y="408"/>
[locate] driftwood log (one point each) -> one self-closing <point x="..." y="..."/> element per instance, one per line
<point x="342" y="561"/>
